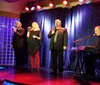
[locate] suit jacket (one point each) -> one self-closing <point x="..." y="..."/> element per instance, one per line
<point x="19" y="39"/>
<point x="62" y="39"/>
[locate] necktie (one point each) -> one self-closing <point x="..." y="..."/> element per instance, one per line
<point x="55" y="37"/>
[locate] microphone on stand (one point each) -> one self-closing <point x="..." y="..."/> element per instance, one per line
<point x="76" y="41"/>
<point x="91" y="35"/>
<point x="94" y="34"/>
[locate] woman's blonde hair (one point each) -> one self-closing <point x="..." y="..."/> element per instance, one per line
<point x="36" y="26"/>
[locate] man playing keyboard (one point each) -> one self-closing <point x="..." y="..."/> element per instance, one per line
<point x="92" y="57"/>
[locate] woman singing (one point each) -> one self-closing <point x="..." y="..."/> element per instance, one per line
<point x="34" y="38"/>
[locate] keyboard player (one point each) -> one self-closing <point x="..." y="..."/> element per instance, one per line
<point x="92" y="57"/>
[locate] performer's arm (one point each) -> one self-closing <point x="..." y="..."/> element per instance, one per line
<point x="52" y="32"/>
<point x="20" y="33"/>
<point x="28" y="34"/>
<point x="65" y="39"/>
<point x="40" y="36"/>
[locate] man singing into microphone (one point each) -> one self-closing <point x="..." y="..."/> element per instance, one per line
<point x="92" y="57"/>
<point x="58" y="43"/>
<point x="18" y="43"/>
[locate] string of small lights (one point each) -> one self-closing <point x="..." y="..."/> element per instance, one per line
<point x="36" y="4"/>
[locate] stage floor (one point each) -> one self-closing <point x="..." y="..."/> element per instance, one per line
<point x="12" y="76"/>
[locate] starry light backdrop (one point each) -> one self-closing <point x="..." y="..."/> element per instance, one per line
<point x="6" y="32"/>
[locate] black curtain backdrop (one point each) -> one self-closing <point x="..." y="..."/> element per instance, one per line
<point x="79" y="21"/>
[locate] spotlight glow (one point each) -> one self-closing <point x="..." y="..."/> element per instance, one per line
<point x="26" y="8"/>
<point x="51" y="4"/>
<point x="38" y="7"/>
<point x="81" y="1"/>
<point x="32" y="8"/>
<point x="65" y="2"/>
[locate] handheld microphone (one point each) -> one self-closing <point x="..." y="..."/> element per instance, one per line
<point x="29" y="28"/>
<point x="15" y="27"/>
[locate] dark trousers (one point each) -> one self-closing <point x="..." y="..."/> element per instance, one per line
<point x="19" y="57"/>
<point x="90" y="63"/>
<point x="57" y="60"/>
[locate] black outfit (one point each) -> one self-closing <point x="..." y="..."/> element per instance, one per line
<point x="18" y="43"/>
<point x="91" y="58"/>
<point x="57" y="41"/>
<point x="33" y="44"/>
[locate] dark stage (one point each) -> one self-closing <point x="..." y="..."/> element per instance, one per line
<point x="23" y="76"/>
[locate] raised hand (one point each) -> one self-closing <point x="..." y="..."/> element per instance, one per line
<point x="52" y="32"/>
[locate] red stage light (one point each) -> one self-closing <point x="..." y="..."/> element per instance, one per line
<point x="26" y="8"/>
<point x="38" y="7"/>
<point x="51" y="4"/>
<point x="65" y="2"/>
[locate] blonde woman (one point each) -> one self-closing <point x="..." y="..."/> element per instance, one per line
<point x="33" y="38"/>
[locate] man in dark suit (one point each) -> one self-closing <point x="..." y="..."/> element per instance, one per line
<point x="58" y="43"/>
<point x="18" y="44"/>
<point x="92" y="57"/>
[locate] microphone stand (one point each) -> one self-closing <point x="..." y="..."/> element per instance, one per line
<point x="79" y="40"/>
